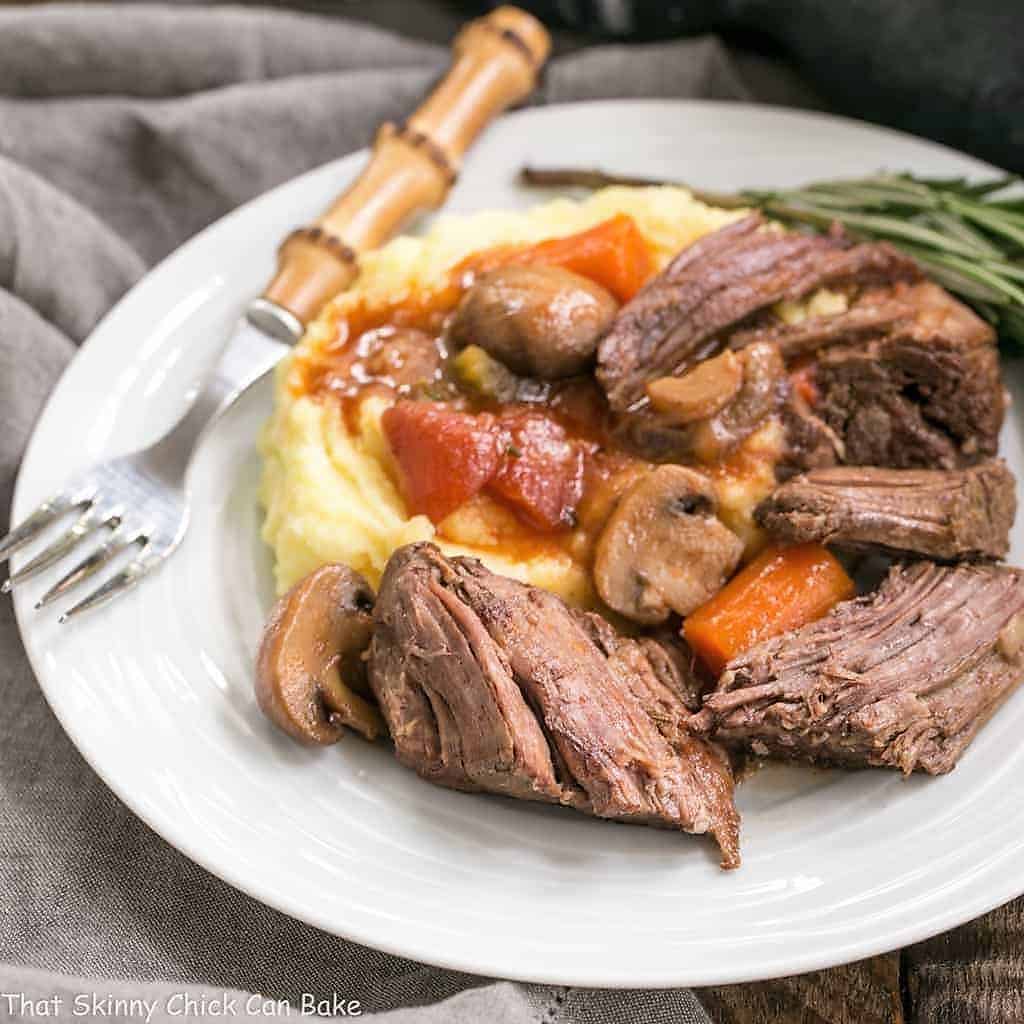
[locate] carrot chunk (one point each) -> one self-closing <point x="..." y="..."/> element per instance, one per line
<point x="782" y="589"/>
<point x="613" y="254"/>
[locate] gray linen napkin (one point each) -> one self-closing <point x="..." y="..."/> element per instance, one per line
<point x="122" y="132"/>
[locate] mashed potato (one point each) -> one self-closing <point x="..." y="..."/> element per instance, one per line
<point x="326" y="486"/>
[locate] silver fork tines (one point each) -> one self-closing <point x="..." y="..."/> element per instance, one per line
<point x="141" y="499"/>
<point x="86" y="525"/>
<point x="119" y="584"/>
<point x="103" y="555"/>
<point x="47" y="513"/>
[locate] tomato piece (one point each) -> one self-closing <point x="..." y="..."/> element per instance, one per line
<point x="523" y="458"/>
<point x="613" y="253"/>
<point x="540" y="471"/>
<point x="444" y="456"/>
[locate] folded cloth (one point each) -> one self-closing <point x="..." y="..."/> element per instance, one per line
<point x="122" y="132"/>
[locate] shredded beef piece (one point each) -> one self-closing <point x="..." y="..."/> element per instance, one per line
<point x="940" y="514"/>
<point x="683" y="315"/>
<point x="489" y="684"/>
<point x="903" y="677"/>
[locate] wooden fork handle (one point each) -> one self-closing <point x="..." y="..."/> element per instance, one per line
<point x="495" y="64"/>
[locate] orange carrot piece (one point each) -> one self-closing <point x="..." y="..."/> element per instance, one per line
<point x="782" y="589"/>
<point x="613" y="253"/>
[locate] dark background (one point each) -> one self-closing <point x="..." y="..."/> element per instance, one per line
<point x="951" y="70"/>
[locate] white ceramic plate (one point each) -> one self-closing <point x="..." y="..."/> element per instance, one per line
<point x="156" y="692"/>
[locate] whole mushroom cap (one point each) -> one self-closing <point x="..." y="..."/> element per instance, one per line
<point x="539" y="321"/>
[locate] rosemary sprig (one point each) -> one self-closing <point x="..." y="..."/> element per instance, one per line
<point x="967" y="234"/>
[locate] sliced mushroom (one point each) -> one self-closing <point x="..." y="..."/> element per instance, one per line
<point x="705" y="390"/>
<point x="761" y="393"/>
<point x="539" y="321"/>
<point x="310" y="661"/>
<point x="663" y="548"/>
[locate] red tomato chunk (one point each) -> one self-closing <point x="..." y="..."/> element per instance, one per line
<point x="523" y="458"/>
<point x="540" y="472"/>
<point x="444" y="457"/>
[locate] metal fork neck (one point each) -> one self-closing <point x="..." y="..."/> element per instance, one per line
<point x="275" y="320"/>
<point x="260" y="341"/>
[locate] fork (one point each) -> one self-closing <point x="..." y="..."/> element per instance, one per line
<point x="139" y="503"/>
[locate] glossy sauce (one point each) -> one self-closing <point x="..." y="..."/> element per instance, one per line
<point x="338" y="370"/>
<point x="344" y="371"/>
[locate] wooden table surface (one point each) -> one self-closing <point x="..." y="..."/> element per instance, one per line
<point x="971" y="975"/>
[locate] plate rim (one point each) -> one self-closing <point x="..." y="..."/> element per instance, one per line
<point x="789" y="964"/>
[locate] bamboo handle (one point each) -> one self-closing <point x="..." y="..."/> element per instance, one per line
<point x="495" y="64"/>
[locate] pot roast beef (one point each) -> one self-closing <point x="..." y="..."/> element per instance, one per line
<point x="906" y="377"/>
<point x="809" y="442"/>
<point x="488" y="684"/>
<point x="863" y="320"/>
<point x="927" y="393"/>
<point x="903" y="677"/>
<point x="663" y="659"/>
<point x="714" y="285"/>
<point x="940" y="514"/>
